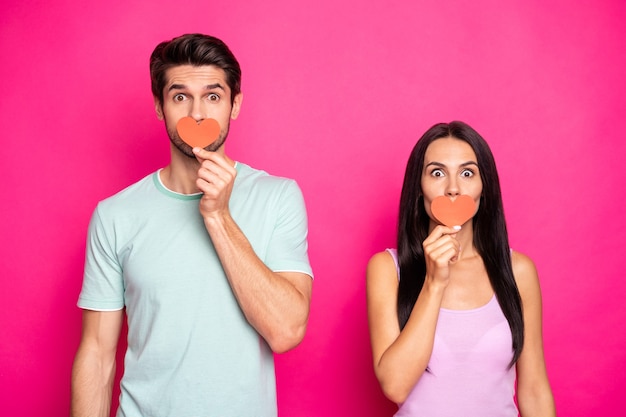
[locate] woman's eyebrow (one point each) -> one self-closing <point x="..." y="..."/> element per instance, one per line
<point x="442" y="165"/>
<point x="469" y="163"/>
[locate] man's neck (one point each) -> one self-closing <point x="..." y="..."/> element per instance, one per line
<point x="181" y="173"/>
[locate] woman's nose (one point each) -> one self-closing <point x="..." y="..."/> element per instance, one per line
<point x="452" y="188"/>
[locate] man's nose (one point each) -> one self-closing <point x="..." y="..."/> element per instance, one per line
<point x="197" y="111"/>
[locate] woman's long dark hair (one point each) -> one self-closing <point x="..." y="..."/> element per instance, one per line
<point x="490" y="234"/>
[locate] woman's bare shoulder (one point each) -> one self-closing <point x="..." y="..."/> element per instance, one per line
<point x="525" y="273"/>
<point x="381" y="266"/>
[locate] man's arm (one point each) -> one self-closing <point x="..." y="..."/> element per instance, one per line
<point x="276" y="304"/>
<point x="94" y="366"/>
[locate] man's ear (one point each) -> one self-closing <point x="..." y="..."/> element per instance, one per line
<point x="234" y="112"/>
<point x="158" y="108"/>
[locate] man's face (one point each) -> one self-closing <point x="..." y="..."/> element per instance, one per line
<point x="199" y="92"/>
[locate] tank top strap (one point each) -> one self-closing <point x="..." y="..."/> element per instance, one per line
<point x="394" y="255"/>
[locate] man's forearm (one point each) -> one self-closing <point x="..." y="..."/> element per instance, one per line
<point x="92" y="386"/>
<point x="275" y="304"/>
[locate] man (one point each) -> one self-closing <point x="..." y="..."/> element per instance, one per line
<point x="207" y="258"/>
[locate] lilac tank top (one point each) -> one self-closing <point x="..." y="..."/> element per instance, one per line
<point x="467" y="375"/>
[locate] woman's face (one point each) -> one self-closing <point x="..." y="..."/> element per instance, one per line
<point x="450" y="169"/>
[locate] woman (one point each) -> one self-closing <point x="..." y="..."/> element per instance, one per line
<point x="454" y="314"/>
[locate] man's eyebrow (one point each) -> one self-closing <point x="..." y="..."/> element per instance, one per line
<point x="176" y="87"/>
<point x="213" y="86"/>
<point x="206" y="87"/>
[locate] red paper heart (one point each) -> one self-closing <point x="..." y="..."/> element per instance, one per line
<point x="453" y="213"/>
<point x="198" y="134"/>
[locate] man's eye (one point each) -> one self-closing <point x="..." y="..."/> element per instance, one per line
<point x="213" y="97"/>
<point x="179" y="97"/>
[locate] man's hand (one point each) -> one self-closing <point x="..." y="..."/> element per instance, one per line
<point x="216" y="177"/>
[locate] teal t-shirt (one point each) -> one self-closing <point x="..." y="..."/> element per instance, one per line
<point x="191" y="351"/>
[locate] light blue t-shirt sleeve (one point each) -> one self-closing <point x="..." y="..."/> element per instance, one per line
<point x="103" y="283"/>
<point x="287" y="249"/>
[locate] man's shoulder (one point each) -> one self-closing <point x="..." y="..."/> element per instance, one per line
<point x="256" y="186"/>
<point x="247" y="175"/>
<point x="133" y="193"/>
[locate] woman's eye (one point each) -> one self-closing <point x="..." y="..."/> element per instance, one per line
<point x="437" y="173"/>
<point x="467" y="173"/>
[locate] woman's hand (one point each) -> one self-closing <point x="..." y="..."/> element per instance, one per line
<point x="441" y="248"/>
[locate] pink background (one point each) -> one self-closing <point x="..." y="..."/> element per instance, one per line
<point x="335" y="96"/>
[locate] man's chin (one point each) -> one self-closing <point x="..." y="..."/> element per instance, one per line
<point x="188" y="150"/>
<point x="215" y="146"/>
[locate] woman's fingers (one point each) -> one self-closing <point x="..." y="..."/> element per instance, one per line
<point x="441" y="248"/>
